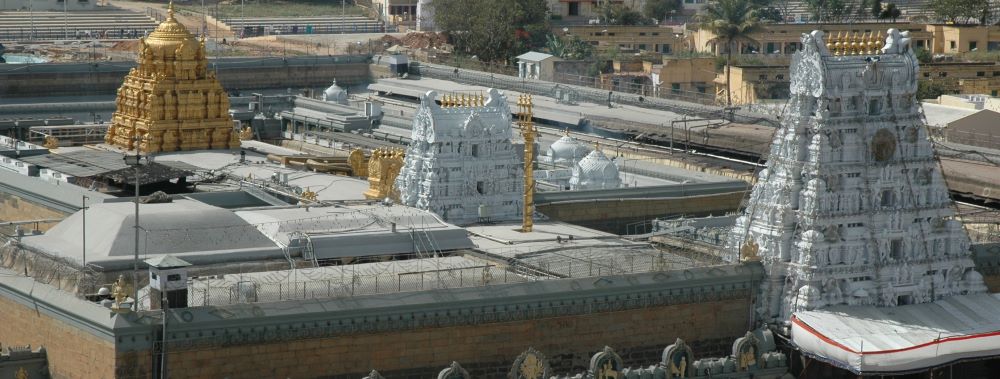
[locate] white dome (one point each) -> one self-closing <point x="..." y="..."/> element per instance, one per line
<point x="567" y="150"/>
<point x="335" y="94"/>
<point x="595" y="171"/>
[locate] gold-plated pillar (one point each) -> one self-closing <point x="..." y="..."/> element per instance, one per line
<point x="528" y="131"/>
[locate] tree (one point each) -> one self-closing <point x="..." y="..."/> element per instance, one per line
<point x="928" y="89"/>
<point x="771" y="14"/>
<point x="731" y="21"/>
<point x="959" y="11"/>
<point x="496" y="30"/>
<point x="618" y="14"/>
<point x="660" y="9"/>
<point x="568" y="47"/>
<point x="877" y="8"/>
<point x="830" y="10"/>
<point x="890" y="11"/>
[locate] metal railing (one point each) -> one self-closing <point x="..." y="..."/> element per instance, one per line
<point x="216" y="292"/>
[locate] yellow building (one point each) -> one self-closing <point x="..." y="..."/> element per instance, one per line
<point x="171" y="101"/>
<point x="753" y="84"/>
<point x="679" y="76"/>
<point x="665" y="40"/>
<point x="785" y="38"/>
<point x="954" y="39"/>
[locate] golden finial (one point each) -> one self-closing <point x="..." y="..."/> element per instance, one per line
<point x="170" y="10"/>
<point x="829" y="42"/>
<point x="482" y="100"/>
<point x="836" y="44"/>
<point x="857" y="45"/>
<point x="309" y="195"/>
<point x="879" y="41"/>
<point x="597" y="145"/>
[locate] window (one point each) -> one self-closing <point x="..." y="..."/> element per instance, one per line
<point x="874" y="107"/>
<point x="675" y="88"/>
<point x="762" y="77"/>
<point x="943" y="74"/>
<point x="665" y="48"/>
<point x="574" y="9"/>
<point x="780" y="77"/>
<point x="153" y="275"/>
<point x="853" y="175"/>
<point x="981" y="73"/>
<point x="927" y="74"/>
<point x="475" y="150"/>
<point x="642" y="33"/>
<point x="642" y="46"/>
<point x="655" y="33"/>
<point x="173" y="277"/>
<point x="896" y="249"/>
<point x="952" y="44"/>
<point x="703" y="89"/>
<point x="887" y="198"/>
<point x="994" y="93"/>
<point x="972" y="46"/>
<point x="855" y="225"/>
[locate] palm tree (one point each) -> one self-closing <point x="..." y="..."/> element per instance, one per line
<point x="731" y="21"/>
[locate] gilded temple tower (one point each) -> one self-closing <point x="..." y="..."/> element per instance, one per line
<point x="171" y="101"/>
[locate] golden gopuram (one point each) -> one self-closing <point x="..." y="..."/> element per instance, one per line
<point x="171" y="101"/>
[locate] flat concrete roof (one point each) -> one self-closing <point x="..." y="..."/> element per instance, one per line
<point x="544" y="107"/>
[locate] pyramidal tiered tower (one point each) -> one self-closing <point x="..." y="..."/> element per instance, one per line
<point x="171" y="101"/>
<point x="852" y="207"/>
<point x="462" y="163"/>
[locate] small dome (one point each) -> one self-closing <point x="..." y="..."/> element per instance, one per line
<point x="335" y="94"/>
<point x="567" y="150"/>
<point x="595" y="171"/>
<point x="973" y="277"/>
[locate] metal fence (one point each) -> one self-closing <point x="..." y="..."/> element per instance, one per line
<point x="594" y="95"/>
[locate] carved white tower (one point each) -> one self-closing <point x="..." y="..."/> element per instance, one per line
<point x="852" y="207"/>
<point x="462" y="164"/>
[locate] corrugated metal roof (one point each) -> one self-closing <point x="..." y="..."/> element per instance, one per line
<point x="868" y="339"/>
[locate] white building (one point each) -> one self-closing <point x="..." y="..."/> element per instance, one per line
<point x="852" y="208"/>
<point x="461" y="163"/>
<point x="535" y="65"/>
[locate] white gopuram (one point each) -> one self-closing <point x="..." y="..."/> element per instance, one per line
<point x="461" y="164"/>
<point x="852" y="208"/>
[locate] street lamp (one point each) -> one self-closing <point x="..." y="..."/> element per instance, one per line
<point x="134" y="161"/>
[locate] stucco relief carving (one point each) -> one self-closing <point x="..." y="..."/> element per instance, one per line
<point x="838" y="197"/>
